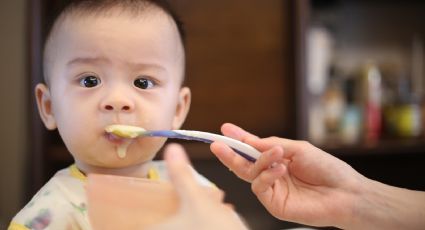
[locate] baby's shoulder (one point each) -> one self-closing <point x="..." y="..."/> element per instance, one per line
<point x="61" y="199"/>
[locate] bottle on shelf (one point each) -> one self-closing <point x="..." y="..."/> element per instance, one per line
<point x="351" y="120"/>
<point x="333" y="104"/>
<point x="403" y="115"/>
<point x="371" y="100"/>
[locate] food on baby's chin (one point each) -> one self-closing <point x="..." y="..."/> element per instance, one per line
<point x="122" y="149"/>
<point x="125" y="131"/>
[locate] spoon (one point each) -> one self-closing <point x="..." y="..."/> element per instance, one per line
<point x="128" y="131"/>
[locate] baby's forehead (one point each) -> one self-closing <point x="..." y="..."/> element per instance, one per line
<point x="79" y="20"/>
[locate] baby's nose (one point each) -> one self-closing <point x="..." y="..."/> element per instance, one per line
<point x="112" y="107"/>
<point x="117" y="104"/>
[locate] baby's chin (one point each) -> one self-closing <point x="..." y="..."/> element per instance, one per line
<point x="105" y="156"/>
<point x="127" y="161"/>
<point x="123" y="157"/>
<point x="128" y="166"/>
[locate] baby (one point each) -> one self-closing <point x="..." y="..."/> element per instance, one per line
<point x="107" y="62"/>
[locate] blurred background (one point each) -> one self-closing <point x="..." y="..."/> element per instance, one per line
<point x="346" y="75"/>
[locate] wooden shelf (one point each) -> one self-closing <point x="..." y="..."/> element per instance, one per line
<point x="384" y="147"/>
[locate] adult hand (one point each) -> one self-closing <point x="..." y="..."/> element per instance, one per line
<point x="200" y="207"/>
<point x="294" y="180"/>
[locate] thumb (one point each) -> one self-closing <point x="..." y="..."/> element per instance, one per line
<point x="181" y="174"/>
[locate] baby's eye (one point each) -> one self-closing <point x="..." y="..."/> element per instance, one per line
<point x="144" y="83"/>
<point x="89" y="81"/>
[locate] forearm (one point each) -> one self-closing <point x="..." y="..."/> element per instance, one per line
<point x="381" y="206"/>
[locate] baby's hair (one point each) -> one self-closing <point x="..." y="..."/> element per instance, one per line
<point x="137" y="7"/>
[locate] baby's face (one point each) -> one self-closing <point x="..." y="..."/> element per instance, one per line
<point x="116" y="69"/>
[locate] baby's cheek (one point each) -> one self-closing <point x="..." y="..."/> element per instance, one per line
<point x="157" y="123"/>
<point x="75" y="137"/>
<point x="147" y="122"/>
<point x="159" y="118"/>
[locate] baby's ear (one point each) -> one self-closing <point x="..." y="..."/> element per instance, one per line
<point x="183" y="105"/>
<point x="44" y="104"/>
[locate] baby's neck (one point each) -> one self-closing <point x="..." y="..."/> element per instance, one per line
<point x="139" y="171"/>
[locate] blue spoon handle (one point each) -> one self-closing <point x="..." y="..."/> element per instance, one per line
<point x="245" y="150"/>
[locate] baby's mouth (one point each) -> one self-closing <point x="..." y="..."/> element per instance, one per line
<point x="125" y="131"/>
<point x="122" y="143"/>
<point x="122" y="136"/>
<point x="114" y="138"/>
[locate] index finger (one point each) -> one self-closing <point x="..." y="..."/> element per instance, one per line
<point x="236" y="132"/>
<point x="291" y="147"/>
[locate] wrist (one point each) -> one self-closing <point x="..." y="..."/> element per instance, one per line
<point x="352" y="212"/>
<point x="381" y="206"/>
<point x="365" y="208"/>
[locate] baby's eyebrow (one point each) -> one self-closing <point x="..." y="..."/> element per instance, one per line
<point x="151" y="66"/>
<point x="133" y="65"/>
<point x="93" y="60"/>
